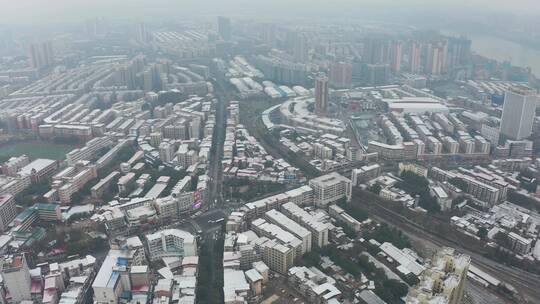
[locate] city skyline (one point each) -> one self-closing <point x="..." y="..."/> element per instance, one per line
<point x="68" y="11"/>
<point x="230" y="152"/>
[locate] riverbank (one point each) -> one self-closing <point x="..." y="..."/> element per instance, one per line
<point x="499" y="48"/>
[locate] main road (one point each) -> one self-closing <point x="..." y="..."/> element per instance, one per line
<point x="215" y="170"/>
<point x="211" y="233"/>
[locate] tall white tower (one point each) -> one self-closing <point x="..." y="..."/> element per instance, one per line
<point x="518" y="113"/>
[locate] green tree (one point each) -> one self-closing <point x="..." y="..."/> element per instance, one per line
<point x="482" y="232"/>
<point x="399" y="289"/>
<point x="411" y="279"/>
<point x="34" y="192"/>
<point x="76" y="198"/>
<point x="523" y="200"/>
<point x="366" y="265"/>
<point x="341" y="260"/>
<point x="101" y="104"/>
<point x="413" y="184"/>
<point x="354" y="210"/>
<point x="531" y="187"/>
<point x="351" y="233"/>
<point x="170" y="97"/>
<point x="458" y="200"/>
<point x="385" y="233"/>
<point x="502" y="239"/>
<point x="391" y="291"/>
<point x="460" y="183"/>
<point x="276" y="132"/>
<point x="375" y="188"/>
<point x="429" y="203"/>
<point x="268" y="164"/>
<point x="312" y="258"/>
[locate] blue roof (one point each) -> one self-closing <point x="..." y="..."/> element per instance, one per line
<point x="122" y="261"/>
<point x="25" y="214"/>
<point x="46" y="207"/>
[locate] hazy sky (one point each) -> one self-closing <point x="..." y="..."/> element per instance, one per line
<point x="45" y="11"/>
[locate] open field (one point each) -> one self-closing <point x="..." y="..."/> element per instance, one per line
<point x="35" y="149"/>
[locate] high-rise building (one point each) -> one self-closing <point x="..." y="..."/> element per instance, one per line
<point x="518" y="113"/>
<point x="224" y="28"/>
<point x="376" y="51"/>
<point x="415" y="54"/>
<point x="444" y="281"/>
<point x="283" y="71"/>
<point x="269" y="34"/>
<point x="300" y="49"/>
<point x="95" y="27"/>
<point x="143" y="35"/>
<point x="41" y="55"/>
<point x="341" y="74"/>
<point x="16" y="275"/>
<point x="377" y="74"/>
<point x="459" y="52"/>
<point x="7" y="40"/>
<point x="395" y="55"/>
<point x="321" y="95"/>
<point x="436" y="58"/>
<point x="185" y="156"/>
<point x="194" y="128"/>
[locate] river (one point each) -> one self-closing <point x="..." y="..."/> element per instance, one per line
<point x="503" y="50"/>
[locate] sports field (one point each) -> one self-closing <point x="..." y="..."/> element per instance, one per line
<point x="35" y="149"/>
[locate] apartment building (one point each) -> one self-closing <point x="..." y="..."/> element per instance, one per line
<point x="263" y="228"/>
<point x="39" y="169"/>
<point x="278" y="257"/>
<point x="8" y="211"/>
<point x="318" y="229"/>
<point x="112" y="278"/>
<point x="480" y="190"/>
<point x="519" y="244"/>
<point x="89" y="151"/>
<point x="16" y="274"/>
<point x="14" y="185"/>
<point x="14" y="164"/>
<point x="365" y="173"/>
<point x="277" y="218"/>
<point x="330" y="188"/>
<point x="339" y="214"/>
<point x="72" y="179"/>
<point x="171" y="243"/>
<point x="102" y="186"/>
<point x="302" y="196"/>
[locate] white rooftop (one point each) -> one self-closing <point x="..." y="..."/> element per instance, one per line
<point x="38" y="164"/>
